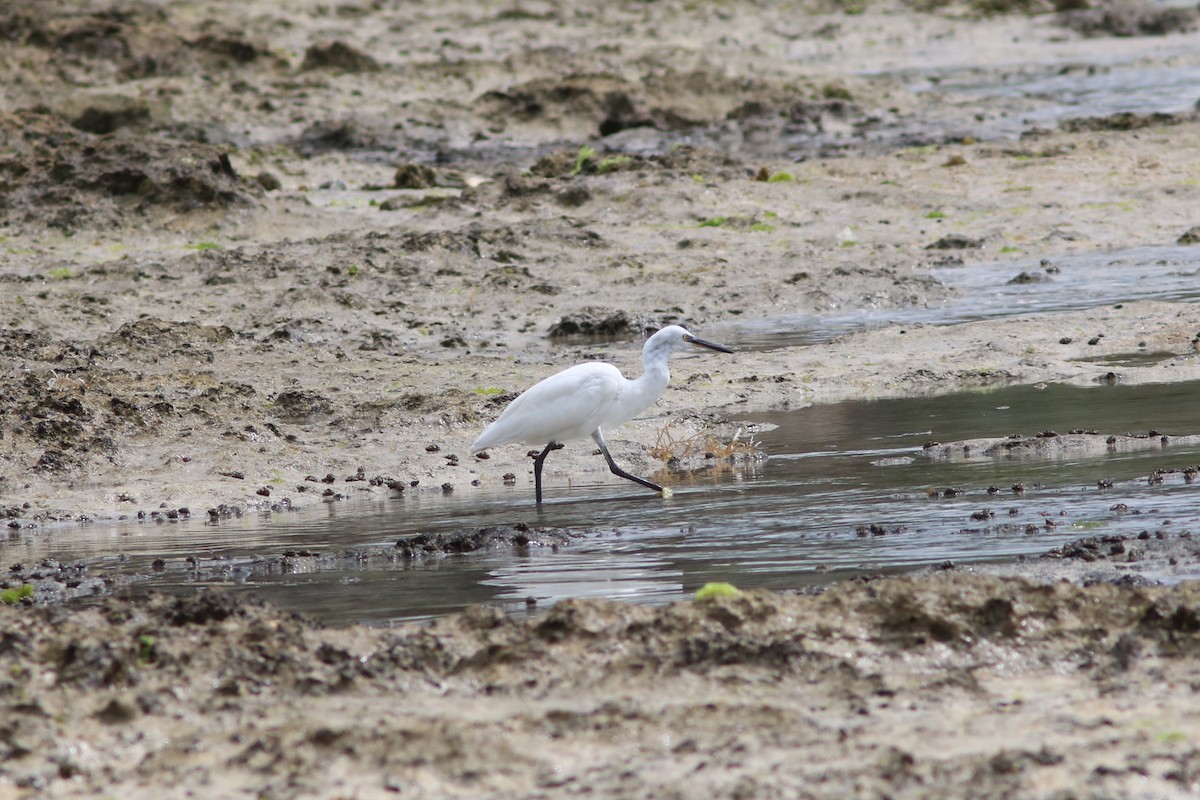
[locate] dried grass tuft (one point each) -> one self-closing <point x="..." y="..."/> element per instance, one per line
<point x="671" y="446"/>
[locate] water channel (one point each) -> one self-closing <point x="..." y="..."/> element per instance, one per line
<point x="989" y="289"/>
<point x="794" y="519"/>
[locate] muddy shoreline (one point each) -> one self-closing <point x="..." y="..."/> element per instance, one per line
<point x="257" y="257"/>
<point x="349" y="302"/>
<point x="959" y="682"/>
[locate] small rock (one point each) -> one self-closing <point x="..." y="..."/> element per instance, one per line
<point x="268" y="181"/>
<point x="1190" y="236"/>
<point x="592" y="321"/>
<point x="116" y="712"/>
<point x="105" y="114"/>
<point x="1028" y="277"/>
<point x="338" y="55"/>
<point x="573" y="196"/>
<point x="955" y="241"/>
<point x="414" y="176"/>
<point x="395" y="204"/>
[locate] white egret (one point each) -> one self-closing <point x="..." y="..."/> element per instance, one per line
<point x="584" y="399"/>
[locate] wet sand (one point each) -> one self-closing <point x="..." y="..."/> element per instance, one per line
<point x="265" y="257"/>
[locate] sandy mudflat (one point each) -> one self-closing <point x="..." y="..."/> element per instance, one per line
<point x="249" y="244"/>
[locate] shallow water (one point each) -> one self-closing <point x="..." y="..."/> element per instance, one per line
<point x="995" y="289"/>
<point x="1003" y="96"/>
<point x="790" y="521"/>
<point x="1057" y="92"/>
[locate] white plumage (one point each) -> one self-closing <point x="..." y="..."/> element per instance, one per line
<point x="584" y="399"/>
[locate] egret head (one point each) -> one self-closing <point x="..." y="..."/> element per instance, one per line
<point x="669" y="339"/>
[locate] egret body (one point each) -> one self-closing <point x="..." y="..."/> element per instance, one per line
<point x="584" y="399"/>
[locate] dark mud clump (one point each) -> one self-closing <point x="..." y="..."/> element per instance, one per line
<point x="123" y="41"/>
<point x="168" y="338"/>
<point x="470" y="540"/>
<point x="592" y="322"/>
<point x="955" y="241"/>
<point x="414" y="176"/>
<point x="51" y="582"/>
<point x="299" y="406"/>
<point x="679" y="160"/>
<point x="120" y="643"/>
<point x="339" y="56"/>
<point x="56" y="423"/>
<point x="54" y="175"/>
<point x="1125" y="121"/>
<point x="1091" y="548"/>
<point x="610" y="103"/>
<point x="61" y="424"/>
<point x="1152" y="557"/>
<point x="1123" y="18"/>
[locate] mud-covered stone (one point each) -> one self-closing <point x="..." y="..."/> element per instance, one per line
<point x="338" y="55"/>
<point x="592" y="322"/>
<point x="53" y="174"/>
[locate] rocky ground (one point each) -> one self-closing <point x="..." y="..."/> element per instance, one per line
<point x="262" y="255"/>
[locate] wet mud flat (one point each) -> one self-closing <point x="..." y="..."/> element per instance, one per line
<point x="265" y="258"/>
<point x="1064" y="676"/>
<point x="969" y="684"/>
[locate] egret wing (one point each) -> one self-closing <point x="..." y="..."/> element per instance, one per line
<point x="567" y="405"/>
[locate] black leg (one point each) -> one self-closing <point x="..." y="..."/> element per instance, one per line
<point x="612" y="465"/>
<point x="537" y="469"/>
